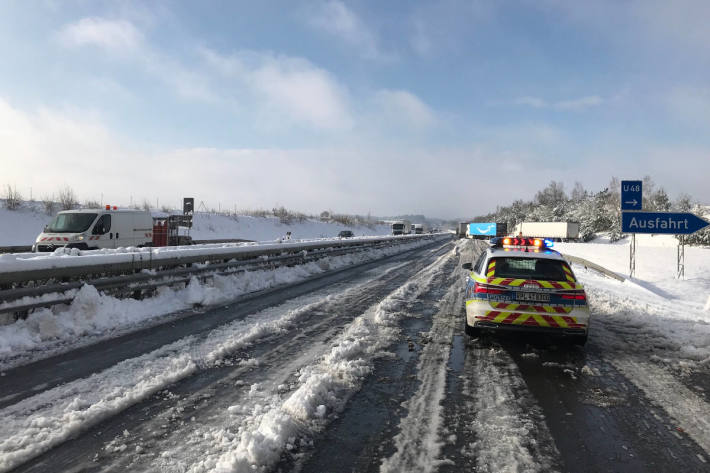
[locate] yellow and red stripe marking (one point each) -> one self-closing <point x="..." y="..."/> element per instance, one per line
<point x="568" y="273"/>
<point x="491" y="269"/>
<point x="535" y="320"/>
<point x="551" y="309"/>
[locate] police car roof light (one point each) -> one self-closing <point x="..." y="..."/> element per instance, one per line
<point x="534" y="243"/>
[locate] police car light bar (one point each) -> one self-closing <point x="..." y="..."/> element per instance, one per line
<point x="511" y="242"/>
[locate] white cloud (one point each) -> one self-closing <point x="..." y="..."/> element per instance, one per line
<point x="571" y="104"/>
<point x="335" y="18"/>
<point x="657" y="28"/>
<point x="531" y="102"/>
<point x="46" y="148"/>
<point x="442" y="26"/>
<point x="579" y="103"/>
<point x="400" y="106"/>
<point x="116" y="35"/>
<point x="690" y="105"/>
<point x="287" y="88"/>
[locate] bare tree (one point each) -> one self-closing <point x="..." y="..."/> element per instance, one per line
<point x="146" y="205"/>
<point x="67" y="198"/>
<point x="50" y="206"/>
<point x="92" y="204"/>
<point x="579" y="193"/>
<point x="13" y="198"/>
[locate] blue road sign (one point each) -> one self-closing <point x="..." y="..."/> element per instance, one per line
<point x="488" y="229"/>
<point x="673" y="223"/>
<point x="631" y="195"/>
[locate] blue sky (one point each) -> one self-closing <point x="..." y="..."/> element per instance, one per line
<point x="444" y="108"/>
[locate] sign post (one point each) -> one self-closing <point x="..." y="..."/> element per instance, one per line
<point x="680" y="268"/>
<point x="632" y="199"/>
<point x="631" y="195"/>
<point x="632" y="256"/>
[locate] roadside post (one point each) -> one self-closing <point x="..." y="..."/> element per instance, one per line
<point x="632" y="199"/>
<point x="680" y="263"/>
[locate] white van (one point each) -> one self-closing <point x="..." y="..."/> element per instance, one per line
<point x="90" y="229"/>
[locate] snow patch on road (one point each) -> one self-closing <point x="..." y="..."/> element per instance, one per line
<point x="37" y="424"/>
<point x="690" y="411"/>
<point x="419" y="443"/>
<point x="283" y="421"/>
<point x="508" y="425"/>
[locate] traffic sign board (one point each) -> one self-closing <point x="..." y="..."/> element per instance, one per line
<point x="482" y="229"/>
<point x="672" y="223"/>
<point x="631" y="195"/>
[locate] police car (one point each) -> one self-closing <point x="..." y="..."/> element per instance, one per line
<point x="523" y="284"/>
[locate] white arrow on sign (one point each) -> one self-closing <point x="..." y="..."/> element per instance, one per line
<point x="632" y="202"/>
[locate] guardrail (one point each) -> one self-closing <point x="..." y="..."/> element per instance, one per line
<point x="27" y="249"/>
<point x="15" y="249"/>
<point x="588" y="264"/>
<point x="135" y="273"/>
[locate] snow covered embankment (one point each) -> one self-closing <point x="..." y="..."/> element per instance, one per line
<point x="93" y="316"/>
<point x="20" y="227"/>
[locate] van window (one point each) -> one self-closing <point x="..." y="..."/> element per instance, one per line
<point x="71" y="223"/>
<point x="103" y="225"/>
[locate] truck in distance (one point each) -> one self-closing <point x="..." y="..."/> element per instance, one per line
<point x="401" y="227"/>
<point x="418" y="228"/>
<point x="553" y="230"/>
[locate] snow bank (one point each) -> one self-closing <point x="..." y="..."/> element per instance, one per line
<point x="20" y="227"/>
<point x="656" y="262"/>
<point x="72" y="257"/>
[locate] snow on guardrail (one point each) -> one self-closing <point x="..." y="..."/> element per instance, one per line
<point x="74" y="258"/>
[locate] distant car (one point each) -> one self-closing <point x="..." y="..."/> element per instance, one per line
<point x="522" y="284"/>
<point x="346" y="234"/>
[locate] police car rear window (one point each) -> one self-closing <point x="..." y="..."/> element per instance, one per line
<point x="529" y="268"/>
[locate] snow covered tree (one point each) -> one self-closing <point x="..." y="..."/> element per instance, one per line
<point x="552" y="195"/>
<point x="659" y="201"/>
<point x="682" y="204"/>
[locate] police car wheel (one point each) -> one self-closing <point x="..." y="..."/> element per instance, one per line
<point x="578" y="340"/>
<point x="472" y="331"/>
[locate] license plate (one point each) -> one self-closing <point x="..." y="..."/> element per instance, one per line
<point x="532" y="296"/>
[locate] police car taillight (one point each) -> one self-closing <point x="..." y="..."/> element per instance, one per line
<point x="581" y="296"/>
<point x="485" y="289"/>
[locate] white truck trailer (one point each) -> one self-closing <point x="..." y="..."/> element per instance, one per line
<point x="401" y="227"/>
<point x="553" y="230"/>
